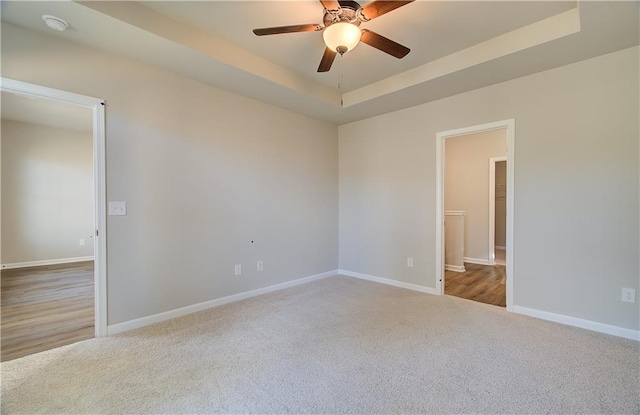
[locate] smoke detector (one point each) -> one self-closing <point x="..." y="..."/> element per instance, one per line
<point x="55" y="23"/>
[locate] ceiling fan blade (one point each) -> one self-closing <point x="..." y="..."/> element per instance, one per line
<point x="380" y="7"/>
<point x="382" y="43"/>
<point x="327" y="60"/>
<point x="288" y="29"/>
<point x="330" y="4"/>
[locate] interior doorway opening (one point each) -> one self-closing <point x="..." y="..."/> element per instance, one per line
<point x="468" y="215"/>
<point x="498" y="211"/>
<point x="53" y="218"/>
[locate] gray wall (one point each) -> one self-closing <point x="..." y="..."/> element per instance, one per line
<point x="576" y="186"/>
<point x="466" y="184"/>
<point x="204" y="173"/>
<point x="47" y="192"/>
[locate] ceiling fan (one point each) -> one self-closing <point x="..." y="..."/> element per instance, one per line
<point x="341" y="21"/>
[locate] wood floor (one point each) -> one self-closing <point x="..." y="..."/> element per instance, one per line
<point x="483" y="283"/>
<point x="45" y="307"/>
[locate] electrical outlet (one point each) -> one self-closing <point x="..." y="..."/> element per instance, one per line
<point x="238" y="269"/>
<point x="410" y="262"/>
<point x="628" y="295"/>
<point x="259" y="265"/>
<point x="81" y="242"/>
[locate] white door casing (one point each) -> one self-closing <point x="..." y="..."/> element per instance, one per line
<point x="99" y="175"/>
<point x="509" y="125"/>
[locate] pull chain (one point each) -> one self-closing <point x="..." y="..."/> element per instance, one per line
<point x="340" y="79"/>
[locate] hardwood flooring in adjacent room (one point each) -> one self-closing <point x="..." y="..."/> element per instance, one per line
<point x="482" y="283"/>
<point x="45" y="307"/>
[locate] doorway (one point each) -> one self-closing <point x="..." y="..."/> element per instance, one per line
<point x="53" y="218"/>
<point x="476" y="256"/>
<point x="497" y="211"/>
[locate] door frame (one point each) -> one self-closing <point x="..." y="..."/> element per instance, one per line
<point x="97" y="107"/>
<point x="509" y="125"/>
<point x="492" y="207"/>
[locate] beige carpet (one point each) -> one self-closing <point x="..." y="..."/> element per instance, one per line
<point x="338" y="345"/>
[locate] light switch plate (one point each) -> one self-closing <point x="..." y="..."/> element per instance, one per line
<point x="117" y="208"/>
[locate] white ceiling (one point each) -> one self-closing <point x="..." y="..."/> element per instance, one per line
<point x="425" y="27"/>
<point x="456" y="46"/>
<point x="46" y="112"/>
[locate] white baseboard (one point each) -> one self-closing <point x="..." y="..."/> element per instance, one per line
<point x="47" y="262"/>
<point x="578" y="322"/>
<point x="179" y="312"/>
<point x="388" y="281"/>
<point x="476" y="261"/>
<point x="456" y="268"/>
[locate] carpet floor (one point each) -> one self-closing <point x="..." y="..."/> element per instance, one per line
<point x="337" y="345"/>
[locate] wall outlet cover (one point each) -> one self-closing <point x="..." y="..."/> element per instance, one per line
<point x="629" y="295"/>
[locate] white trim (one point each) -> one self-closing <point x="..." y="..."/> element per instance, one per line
<point x="492" y="207"/>
<point x="455" y="212"/>
<point x="47" y="262"/>
<point x="511" y="207"/>
<point x="455" y="268"/>
<point x="440" y="213"/>
<point x="38" y="91"/>
<point x="479" y="261"/>
<point x="388" y="281"/>
<point x="439" y="234"/>
<point x="99" y="183"/>
<point x="496" y="125"/>
<point x="182" y="311"/>
<point x="578" y="322"/>
<point x="100" y="217"/>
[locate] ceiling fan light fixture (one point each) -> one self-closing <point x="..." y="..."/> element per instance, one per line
<point x="342" y="36"/>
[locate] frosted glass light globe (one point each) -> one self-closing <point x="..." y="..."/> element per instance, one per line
<point x="343" y="35"/>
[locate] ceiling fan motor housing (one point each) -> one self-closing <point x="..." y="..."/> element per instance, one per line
<point x="348" y="12"/>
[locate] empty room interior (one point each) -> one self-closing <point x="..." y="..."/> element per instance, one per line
<point x="320" y="207"/>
